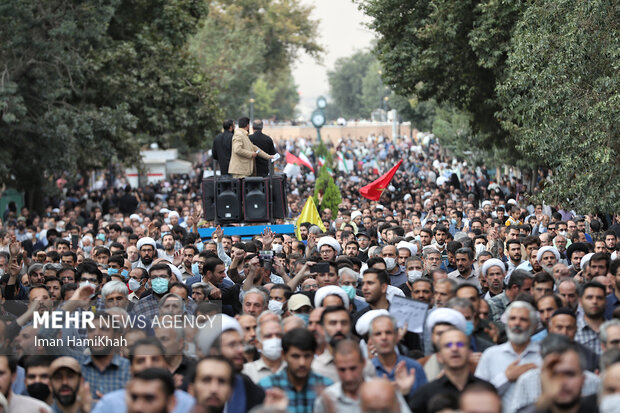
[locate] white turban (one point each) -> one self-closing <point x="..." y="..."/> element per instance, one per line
<point x="542" y="250"/>
<point x="448" y="316"/>
<point x="493" y="262"/>
<point x="585" y="260"/>
<point x="355" y="214"/>
<point x="485" y="203"/>
<point x="136" y="217"/>
<point x="409" y="245"/>
<point x="363" y="323"/>
<point x="323" y="292"/>
<point x="146" y="241"/>
<point x="331" y="241"/>
<point x="221" y="323"/>
<point x="173" y="214"/>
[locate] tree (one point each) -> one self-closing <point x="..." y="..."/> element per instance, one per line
<point x="452" y="51"/>
<point x="326" y="193"/>
<point x="275" y="96"/>
<point x="346" y="84"/>
<point x="242" y="40"/>
<point x="85" y="83"/>
<point x="561" y="99"/>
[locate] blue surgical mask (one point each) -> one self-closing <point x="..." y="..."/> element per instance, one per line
<point x="125" y="273"/>
<point x="200" y="246"/>
<point x="304" y="317"/>
<point x="350" y="290"/>
<point x="195" y="269"/>
<point x="453" y="221"/>
<point x="159" y="285"/>
<point x="469" y="328"/>
<point x="112" y="271"/>
<point x="101" y="237"/>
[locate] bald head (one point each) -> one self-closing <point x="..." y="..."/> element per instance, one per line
<point x="378" y="395"/>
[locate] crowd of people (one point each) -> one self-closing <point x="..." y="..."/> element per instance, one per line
<point x="113" y="302"/>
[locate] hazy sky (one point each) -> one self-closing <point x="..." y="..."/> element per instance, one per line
<point x="342" y="32"/>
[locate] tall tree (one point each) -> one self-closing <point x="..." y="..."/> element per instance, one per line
<point x="86" y="82"/>
<point x="242" y="40"/>
<point x="561" y="98"/>
<point x="452" y="51"/>
<point x="346" y="83"/>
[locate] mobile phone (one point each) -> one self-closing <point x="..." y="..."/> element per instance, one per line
<point x="74" y="242"/>
<point x="320" y="268"/>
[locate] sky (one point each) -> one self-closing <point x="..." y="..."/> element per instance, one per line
<point x="341" y="33"/>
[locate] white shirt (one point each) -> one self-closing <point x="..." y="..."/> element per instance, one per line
<point x="494" y="362"/>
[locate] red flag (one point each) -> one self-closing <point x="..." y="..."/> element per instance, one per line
<point x="374" y="189"/>
<point x="290" y="158"/>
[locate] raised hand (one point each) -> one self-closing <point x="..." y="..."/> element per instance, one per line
<point x="403" y="377"/>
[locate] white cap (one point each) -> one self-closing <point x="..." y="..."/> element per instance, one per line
<point x="548" y="248"/>
<point x="323" y="292"/>
<point x="331" y="241"/>
<point x="363" y="323"/>
<point x="448" y="316"/>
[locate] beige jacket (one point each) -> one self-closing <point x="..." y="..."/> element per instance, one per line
<point x="241" y="160"/>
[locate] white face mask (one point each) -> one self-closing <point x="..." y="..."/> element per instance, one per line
<point x="390" y="263"/>
<point x="134" y="284"/>
<point x="275" y="307"/>
<point x="272" y="348"/>
<point x="413" y="275"/>
<point x="277" y="248"/>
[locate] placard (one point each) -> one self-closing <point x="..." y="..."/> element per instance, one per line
<point x="412" y="312"/>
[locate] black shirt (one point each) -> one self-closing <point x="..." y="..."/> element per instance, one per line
<point x="443" y="385"/>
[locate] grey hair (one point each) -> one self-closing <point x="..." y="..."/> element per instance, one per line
<point x="559" y="344"/>
<point x="569" y="280"/>
<point x="262" y="293"/>
<point x="35" y="267"/>
<point x="453" y="284"/>
<point x="348" y="271"/>
<point x="48" y="266"/>
<point x="605" y="326"/>
<point x="172" y="295"/>
<point x="390" y="317"/>
<point x="374" y="251"/>
<point x="532" y="312"/>
<point x="257" y="124"/>
<point x="114" y="287"/>
<point x="315" y="229"/>
<point x="259" y="329"/>
<point x="460" y="302"/>
<point x="429" y="250"/>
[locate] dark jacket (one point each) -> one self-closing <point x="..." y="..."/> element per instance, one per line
<point x="222" y="147"/>
<point x="265" y="143"/>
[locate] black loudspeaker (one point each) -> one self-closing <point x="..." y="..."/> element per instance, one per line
<point x="255" y="199"/>
<point x="229" y="200"/>
<point x="227" y="193"/>
<point x="208" y="199"/>
<point x="278" y="196"/>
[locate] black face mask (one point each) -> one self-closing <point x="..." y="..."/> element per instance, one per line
<point x="39" y="391"/>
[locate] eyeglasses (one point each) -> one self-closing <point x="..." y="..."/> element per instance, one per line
<point x="458" y="344"/>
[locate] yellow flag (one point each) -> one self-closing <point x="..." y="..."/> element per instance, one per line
<point x="309" y="214"/>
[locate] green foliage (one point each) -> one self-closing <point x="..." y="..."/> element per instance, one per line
<point x="96" y="78"/>
<point x="561" y="98"/>
<point x="358" y="89"/>
<point x="331" y="197"/>
<point x="452" y="51"/>
<point x="346" y="84"/>
<point x="321" y="151"/>
<point x="243" y="40"/>
<point x="275" y="96"/>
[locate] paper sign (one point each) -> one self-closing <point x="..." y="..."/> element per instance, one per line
<point x="275" y="157"/>
<point x="406" y="310"/>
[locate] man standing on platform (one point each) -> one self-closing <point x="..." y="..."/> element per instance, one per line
<point x="265" y="143"/>
<point x="222" y="146"/>
<point x="244" y="152"/>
